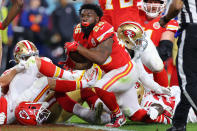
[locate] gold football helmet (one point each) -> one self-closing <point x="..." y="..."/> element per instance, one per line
<point x="132" y="34"/>
<point x="24" y="49"/>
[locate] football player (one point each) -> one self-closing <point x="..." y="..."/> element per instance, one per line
<point x="34" y="89"/>
<point x="163" y="38"/>
<point x="129" y="12"/>
<point x="117" y="12"/>
<point x="96" y="41"/>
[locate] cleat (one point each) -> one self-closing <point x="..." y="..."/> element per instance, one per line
<point x="98" y="111"/>
<point x="117" y="120"/>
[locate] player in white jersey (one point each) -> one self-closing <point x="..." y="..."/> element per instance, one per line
<point x="128" y="101"/>
<point x="29" y="85"/>
<point x="25" y="86"/>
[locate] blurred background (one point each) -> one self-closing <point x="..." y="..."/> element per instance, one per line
<point x="47" y="23"/>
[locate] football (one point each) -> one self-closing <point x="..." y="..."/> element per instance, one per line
<point x="75" y="56"/>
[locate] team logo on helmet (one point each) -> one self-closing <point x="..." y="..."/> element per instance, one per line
<point x="23" y="114"/>
<point x="130" y="33"/>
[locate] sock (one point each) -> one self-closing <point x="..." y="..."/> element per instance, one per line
<point x="161" y="78"/>
<point x="91" y="101"/>
<point x="109" y="99"/>
<point x="65" y="101"/>
<point x="84" y="113"/>
<point x="3" y="107"/>
<point x="65" y="86"/>
<point x="51" y="70"/>
<point x="139" y="115"/>
<point x="174" y="78"/>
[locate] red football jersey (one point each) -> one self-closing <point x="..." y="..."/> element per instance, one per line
<point x="118" y="11"/>
<point x="103" y="30"/>
<point x="153" y="28"/>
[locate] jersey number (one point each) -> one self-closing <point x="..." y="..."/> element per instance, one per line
<point x="123" y="4"/>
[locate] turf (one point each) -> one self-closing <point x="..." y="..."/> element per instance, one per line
<point x="135" y="126"/>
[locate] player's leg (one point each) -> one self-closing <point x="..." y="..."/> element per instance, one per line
<point x="74" y="107"/>
<point x="3" y="110"/>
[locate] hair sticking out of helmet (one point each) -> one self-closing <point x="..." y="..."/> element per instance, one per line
<point x="32" y="113"/>
<point x="25" y="49"/>
<point x="132" y="34"/>
<point x="153" y="8"/>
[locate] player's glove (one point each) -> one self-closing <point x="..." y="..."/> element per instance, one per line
<point x="163" y="90"/>
<point x="153" y="113"/>
<point x="90" y="78"/>
<point x="70" y="46"/>
<point x="2" y="118"/>
<point x="1" y="26"/>
<point x="20" y="67"/>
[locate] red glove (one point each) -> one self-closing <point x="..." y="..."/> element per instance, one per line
<point x="67" y="64"/>
<point x="70" y="46"/>
<point x="1" y="26"/>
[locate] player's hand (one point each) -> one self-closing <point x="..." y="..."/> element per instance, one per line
<point x="163" y="90"/>
<point x="91" y="76"/>
<point x="153" y="113"/>
<point x="163" y="21"/>
<point x="20" y="67"/>
<point x="2" y="118"/>
<point x="1" y="26"/>
<point x="70" y="46"/>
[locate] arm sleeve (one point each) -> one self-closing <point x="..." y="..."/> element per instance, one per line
<point x="145" y="79"/>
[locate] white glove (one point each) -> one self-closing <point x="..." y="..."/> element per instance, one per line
<point x="153" y="113"/>
<point x="20" y="67"/>
<point x="2" y="118"/>
<point x="163" y="90"/>
<point x="90" y="78"/>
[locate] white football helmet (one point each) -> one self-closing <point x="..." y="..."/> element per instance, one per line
<point x="153" y="8"/>
<point x="24" y="49"/>
<point x="132" y="34"/>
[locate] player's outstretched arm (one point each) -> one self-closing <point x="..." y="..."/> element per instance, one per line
<point x="15" y="9"/>
<point x="7" y="78"/>
<point x="174" y="9"/>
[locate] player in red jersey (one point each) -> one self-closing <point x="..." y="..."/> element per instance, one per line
<point x="163" y="38"/>
<point x="118" y="11"/>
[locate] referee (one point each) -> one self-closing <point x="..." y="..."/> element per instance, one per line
<point x="186" y="59"/>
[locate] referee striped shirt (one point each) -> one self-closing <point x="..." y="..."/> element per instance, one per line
<point x="189" y="12"/>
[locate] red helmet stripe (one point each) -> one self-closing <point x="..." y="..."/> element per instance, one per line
<point x="30" y="44"/>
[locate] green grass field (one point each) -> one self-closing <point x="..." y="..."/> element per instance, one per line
<point x="135" y="126"/>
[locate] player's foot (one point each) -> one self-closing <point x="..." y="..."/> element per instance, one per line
<point x="98" y="111"/>
<point x="117" y="120"/>
<point x="173" y="128"/>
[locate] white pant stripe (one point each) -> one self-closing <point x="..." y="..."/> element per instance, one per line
<point x="181" y="71"/>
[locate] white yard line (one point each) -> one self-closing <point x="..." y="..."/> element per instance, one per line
<point x="96" y="127"/>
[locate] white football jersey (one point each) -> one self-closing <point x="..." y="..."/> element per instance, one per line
<point x="26" y="86"/>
